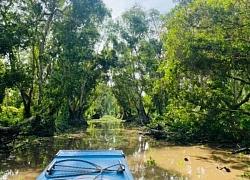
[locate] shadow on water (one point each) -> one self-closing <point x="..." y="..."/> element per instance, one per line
<point x="31" y="155"/>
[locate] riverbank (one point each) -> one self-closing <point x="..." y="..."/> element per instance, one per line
<point x="148" y="158"/>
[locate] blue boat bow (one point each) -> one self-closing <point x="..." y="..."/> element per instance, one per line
<point x="88" y="164"/>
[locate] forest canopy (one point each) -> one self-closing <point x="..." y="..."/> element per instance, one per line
<point x="187" y="71"/>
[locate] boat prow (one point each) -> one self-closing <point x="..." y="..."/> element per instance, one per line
<point x="88" y="164"/>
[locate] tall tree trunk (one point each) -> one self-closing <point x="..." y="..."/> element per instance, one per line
<point x="76" y="117"/>
<point x="27" y="100"/>
<point x="236" y="91"/>
<point x="42" y="44"/>
<point x="143" y="117"/>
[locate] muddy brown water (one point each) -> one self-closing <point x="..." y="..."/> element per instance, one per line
<point x="147" y="159"/>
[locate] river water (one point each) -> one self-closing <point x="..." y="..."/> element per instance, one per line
<point x="147" y="158"/>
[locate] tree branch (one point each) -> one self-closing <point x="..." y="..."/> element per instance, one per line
<point x="245" y="40"/>
<point x="246" y="99"/>
<point x="239" y="79"/>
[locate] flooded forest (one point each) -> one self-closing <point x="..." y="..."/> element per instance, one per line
<point x="171" y="90"/>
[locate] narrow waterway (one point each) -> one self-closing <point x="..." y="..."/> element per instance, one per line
<point x="148" y="159"/>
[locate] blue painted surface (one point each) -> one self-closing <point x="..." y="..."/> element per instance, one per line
<point x="88" y="164"/>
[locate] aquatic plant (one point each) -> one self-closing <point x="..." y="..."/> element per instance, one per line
<point x="245" y="175"/>
<point x="151" y="162"/>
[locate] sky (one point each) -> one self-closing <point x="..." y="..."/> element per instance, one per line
<point x="119" y="6"/>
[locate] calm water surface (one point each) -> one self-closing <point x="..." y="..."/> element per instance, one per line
<point x="31" y="156"/>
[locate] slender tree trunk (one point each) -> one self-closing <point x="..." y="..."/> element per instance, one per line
<point x="236" y="91"/>
<point x="27" y="103"/>
<point x="41" y="52"/>
<point x="144" y="118"/>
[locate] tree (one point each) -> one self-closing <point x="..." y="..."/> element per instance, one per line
<point x="50" y="55"/>
<point x="15" y="38"/>
<point x="135" y="39"/>
<point x="78" y="67"/>
<point x="207" y="64"/>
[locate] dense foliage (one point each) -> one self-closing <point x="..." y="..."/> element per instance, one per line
<point x="50" y="66"/>
<point x="207" y="70"/>
<point x="135" y="40"/>
<point x="187" y="71"/>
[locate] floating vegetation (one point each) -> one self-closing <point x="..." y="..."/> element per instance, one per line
<point x="151" y="162"/>
<point x="181" y="163"/>
<point x="245" y="175"/>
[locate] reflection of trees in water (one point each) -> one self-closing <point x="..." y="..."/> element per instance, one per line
<point x="141" y="170"/>
<point x="31" y="154"/>
<point x="143" y="144"/>
<point x="28" y="154"/>
<point x="35" y="153"/>
<point x="5" y="152"/>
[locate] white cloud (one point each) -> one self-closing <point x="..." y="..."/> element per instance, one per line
<point x="119" y="6"/>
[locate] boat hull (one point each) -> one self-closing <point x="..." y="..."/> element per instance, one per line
<point x="88" y="164"/>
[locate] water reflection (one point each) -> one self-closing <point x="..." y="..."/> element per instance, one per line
<point x="30" y="156"/>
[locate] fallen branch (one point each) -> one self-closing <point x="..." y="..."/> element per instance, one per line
<point x="7" y="134"/>
<point x="245" y="149"/>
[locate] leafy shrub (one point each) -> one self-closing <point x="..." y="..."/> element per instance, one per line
<point x="10" y="115"/>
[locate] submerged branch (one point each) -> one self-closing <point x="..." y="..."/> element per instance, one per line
<point x="7" y="134"/>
